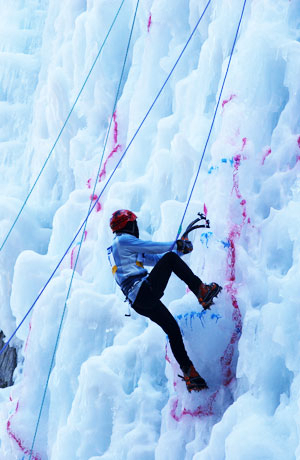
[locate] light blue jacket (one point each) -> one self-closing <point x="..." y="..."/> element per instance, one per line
<point x="130" y="254"/>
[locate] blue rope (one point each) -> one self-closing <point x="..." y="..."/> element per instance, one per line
<point x="212" y="123"/>
<point x="106" y="184"/>
<point x="82" y="237"/>
<point x="62" y="129"/>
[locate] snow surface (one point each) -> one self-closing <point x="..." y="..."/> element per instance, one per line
<point x="114" y="392"/>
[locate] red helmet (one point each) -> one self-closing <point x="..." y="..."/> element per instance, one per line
<point x="120" y="218"/>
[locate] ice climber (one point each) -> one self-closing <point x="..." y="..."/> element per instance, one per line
<point x="144" y="290"/>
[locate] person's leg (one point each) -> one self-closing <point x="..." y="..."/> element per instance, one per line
<point x="146" y="305"/>
<point x="161" y="272"/>
<point x="161" y="316"/>
<point x="171" y="262"/>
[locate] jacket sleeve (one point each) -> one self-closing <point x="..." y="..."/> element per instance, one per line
<point x="150" y="259"/>
<point x="145" y="247"/>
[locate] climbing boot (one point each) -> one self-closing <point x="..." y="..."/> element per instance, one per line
<point x="193" y="381"/>
<point x="206" y="294"/>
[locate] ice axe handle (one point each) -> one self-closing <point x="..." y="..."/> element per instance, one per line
<point x="192" y="225"/>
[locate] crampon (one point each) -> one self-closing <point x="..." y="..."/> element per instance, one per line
<point x="207" y="293"/>
<point x="193" y="381"/>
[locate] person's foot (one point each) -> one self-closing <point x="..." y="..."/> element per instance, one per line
<point x="206" y="294"/>
<point x="193" y="381"/>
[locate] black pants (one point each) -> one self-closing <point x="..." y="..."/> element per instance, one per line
<point x="147" y="302"/>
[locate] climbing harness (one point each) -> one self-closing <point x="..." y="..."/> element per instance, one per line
<point x="130" y="284"/>
<point x="114" y="268"/>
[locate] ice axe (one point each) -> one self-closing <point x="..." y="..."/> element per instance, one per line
<point x="192" y="226"/>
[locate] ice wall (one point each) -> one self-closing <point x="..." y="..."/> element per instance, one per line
<point x="114" y="392"/>
<point x="20" y="63"/>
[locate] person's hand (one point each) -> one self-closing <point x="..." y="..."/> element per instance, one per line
<point x="184" y="246"/>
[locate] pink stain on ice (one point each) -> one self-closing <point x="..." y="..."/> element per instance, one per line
<point x="166" y="355"/>
<point x="201" y="411"/>
<point x="17" y="439"/>
<point x="267" y="152"/>
<point x="234" y="139"/>
<point x="75" y="250"/>
<point x="116" y="148"/>
<point x="225" y="101"/>
<point x="169" y="361"/>
<point x="149" y="22"/>
<point x="115" y="128"/>
<point x="205" y="209"/>
<point x="72" y="257"/>
<point x="103" y="171"/>
<point x="237" y="161"/>
<point x="244" y="142"/>
<point x="234" y="235"/>
<point x="98" y="205"/>
<point x="298" y="156"/>
<point x="226" y="361"/>
<point x="27" y="340"/>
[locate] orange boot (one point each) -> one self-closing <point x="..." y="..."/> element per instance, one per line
<point x="193" y="380"/>
<point x="206" y="294"/>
